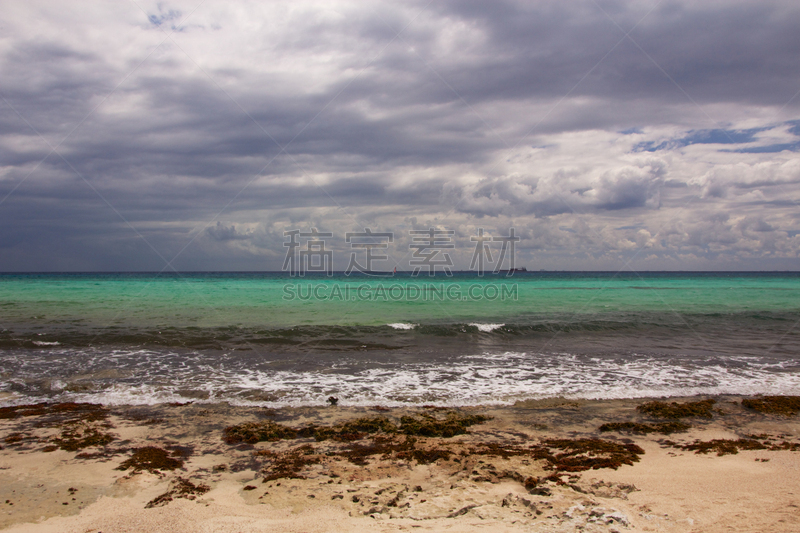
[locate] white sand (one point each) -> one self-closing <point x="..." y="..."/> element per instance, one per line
<point x="675" y="490"/>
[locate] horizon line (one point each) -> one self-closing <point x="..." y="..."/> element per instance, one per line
<point x="425" y="274"/>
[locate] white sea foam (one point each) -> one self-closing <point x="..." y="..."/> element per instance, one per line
<point x="46" y="343"/>
<point x="479" y="379"/>
<point x="487" y="328"/>
<point x="130" y="395"/>
<point x="402" y="325"/>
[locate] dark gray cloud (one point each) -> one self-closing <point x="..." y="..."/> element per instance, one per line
<point x="205" y="133"/>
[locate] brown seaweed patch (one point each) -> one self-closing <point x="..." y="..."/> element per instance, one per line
<point x="732" y="447"/>
<point x="14" y="438"/>
<point x="100" y="455"/>
<point x="253" y="432"/>
<point x="408" y="449"/>
<point x="664" y="428"/>
<point x="779" y="405"/>
<point x="563" y="457"/>
<point x="380" y="445"/>
<point x="180" y="488"/>
<point x="351" y="430"/>
<point x="724" y="446"/>
<point x="426" y="456"/>
<point x="85" y="411"/>
<point x="785" y="445"/>
<point x="289" y="464"/>
<point x="152" y="459"/>
<point x="677" y="410"/>
<point x="81" y="424"/>
<point x="77" y="436"/>
<point x="578" y="455"/>
<point x="84" y="425"/>
<point x="506" y="451"/>
<point x="569" y="455"/>
<point x="426" y="425"/>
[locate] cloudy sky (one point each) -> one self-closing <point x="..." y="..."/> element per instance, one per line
<point x="189" y="134"/>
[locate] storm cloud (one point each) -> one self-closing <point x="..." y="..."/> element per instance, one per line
<point x="191" y="135"/>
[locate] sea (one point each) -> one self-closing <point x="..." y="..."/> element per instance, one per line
<point x="394" y="339"/>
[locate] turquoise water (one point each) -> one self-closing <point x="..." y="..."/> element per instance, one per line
<point x="277" y="301"/>
<point x="275" y="340"/>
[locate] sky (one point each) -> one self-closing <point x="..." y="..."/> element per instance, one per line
<point x="190" y="135"/>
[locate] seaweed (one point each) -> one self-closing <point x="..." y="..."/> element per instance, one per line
<point x="779" y="405"/>
<point x="531" y="483"/>
<point x="785" y="445"/>
<point x="78" y="422"/>
<point x="409" y="451"/>
<point x="76" y="437"/>
<point x="253" y="432"/>
<point x="288" y="464"/>
<point x="664" y="428"/>
<point x="428" y="426"/>
<point x="181" y="488"/>
<point x="724" y="446"/>
<point x="560" y="457"/>
<point x="576" y="455"/>
<point x="152" y="459"/>
<point x="732" y="447"/>
<point x="380" y="445"/>
<point x="505" y="451"/>
<point x="390" y="448"/>
<point x="14" y="438"/>
<point x="104" y="454"/>
<point x="424" y="425"/>
<point x="659" y="409"/>
<point x="585" y="454"/>
<point x="85" y="411"/>
<point x="352" y="430"/>
<point x="427" y="456"/>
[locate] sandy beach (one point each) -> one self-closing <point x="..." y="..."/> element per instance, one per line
<point x="535" y="466"/>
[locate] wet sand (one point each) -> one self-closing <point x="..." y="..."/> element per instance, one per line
<point x="535" y="466"/>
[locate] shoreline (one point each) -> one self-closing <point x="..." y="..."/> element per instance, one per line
<point x="10" y="400"/>
<point x="536" y="465"/>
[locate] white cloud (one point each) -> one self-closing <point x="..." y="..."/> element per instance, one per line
<point x="472" y="117"/>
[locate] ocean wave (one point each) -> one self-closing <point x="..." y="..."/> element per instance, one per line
<point x="487" y="328"/>
<point x="401" y="331"/>
<point x="478" y="379"/>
